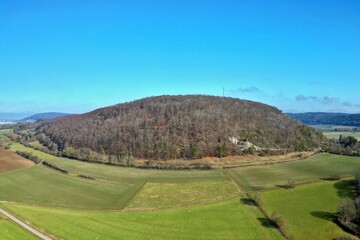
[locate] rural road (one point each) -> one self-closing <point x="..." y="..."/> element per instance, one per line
<point x="24" y="225"/>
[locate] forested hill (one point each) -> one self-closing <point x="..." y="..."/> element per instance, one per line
<point x="44" y="116"/>
<point x="168" y="127"/>
<point x="318" y="118"/>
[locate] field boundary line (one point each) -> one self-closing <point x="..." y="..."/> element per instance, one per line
<point x="25" y="225"/>
<point x="258" y="207"/>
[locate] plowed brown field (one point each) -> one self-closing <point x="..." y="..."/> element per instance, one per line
<point x="11" y="161"/>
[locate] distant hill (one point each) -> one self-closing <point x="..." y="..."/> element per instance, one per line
<point x="320" y="118"/>
<point x="168" y="127"/>
<point x="45" y="116"/>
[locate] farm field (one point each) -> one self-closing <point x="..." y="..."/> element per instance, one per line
<point x="158" y="204"/>
<point x="336" y="135"/>
<point x="11" y="161"/>
<point x="311" y="169"/>
<point x="309" y="209"/>
<point x="11" y="231"/>
<point x="44" y="186"/>
<point x="169" y="195"/>
<point x="112" y="188"/>
<point x="334" y="131"/>
<point x="223" y="220"/>
<point x="123" y="174"/>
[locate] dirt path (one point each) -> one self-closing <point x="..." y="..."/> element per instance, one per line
<point x="24" y="225"/>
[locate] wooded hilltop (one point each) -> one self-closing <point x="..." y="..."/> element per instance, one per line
<point x="171" y="127"/>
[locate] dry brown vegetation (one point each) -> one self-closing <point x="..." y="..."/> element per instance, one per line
<point x="174" y="127"/>
<point x="11" y="161"/>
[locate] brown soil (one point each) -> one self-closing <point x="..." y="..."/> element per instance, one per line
<point x="11" y="161"/>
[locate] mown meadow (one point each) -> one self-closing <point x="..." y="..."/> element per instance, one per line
<point x="130" y="203"/>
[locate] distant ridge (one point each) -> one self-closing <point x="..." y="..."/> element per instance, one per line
<point x="323" y="118"/>
<point x="45" y="116"/>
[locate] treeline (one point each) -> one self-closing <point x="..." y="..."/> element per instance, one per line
<point x="348" y="214"/>
<point x="319" y="118"/>
<point x="53" y="166"/>
<point x="29" y="156"/>
<point x="38" y="160"/>
<point x="173" y="127"/>
<point x="345" y="145"/>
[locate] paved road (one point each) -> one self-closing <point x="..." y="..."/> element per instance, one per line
<point x="24" y="225"/>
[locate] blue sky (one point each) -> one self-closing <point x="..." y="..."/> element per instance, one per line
<point x="75" y="56"/>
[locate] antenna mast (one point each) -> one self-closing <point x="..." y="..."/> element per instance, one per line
<point x="223" y="91"/>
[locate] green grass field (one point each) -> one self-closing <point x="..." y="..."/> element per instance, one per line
<point x="11" y="231"/>
<point x="3" y="132"/>
<point x="113" y="187"/>
<point x="44" y="186"/>
<point x="224" y="220"/>
<point x="314" y="168"/>
<point x="122" y="174"/>
<point x="309" y="209"/>
<point x="161" y="204"/>
<point x="169" y="195"/>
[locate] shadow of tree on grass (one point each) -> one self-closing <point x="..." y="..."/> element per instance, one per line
<point x="346" y="188"/>
<point x="247" y="201"/>
<point x="265" y="222"/>
<point x="324" y="215"/>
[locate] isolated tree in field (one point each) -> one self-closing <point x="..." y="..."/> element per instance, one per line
<point x="290" y="183"/>
<point x="278" y="220"/>
<point x="334" y="176"/>
<point x="258" y="199"/>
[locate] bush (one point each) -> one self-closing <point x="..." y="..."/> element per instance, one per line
<point x="258" y="199"/>
<point x="29" y="156"/>
<point x="290" y="184"/>
<point x="335" y="176"/>
<point x="55" y="167"/>
<point x="278" y="220"/>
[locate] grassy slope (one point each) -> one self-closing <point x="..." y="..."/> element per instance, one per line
<point x="224" y="220"/>
<point x="319" y="166"/>
<point x="165" y="195"/>
<point x="44" y="186"/>
<point x="120" y="174"/>
<point x="41" y="185"/>
<point x="308" y="209"/>
<point x="11" y="231"/>
<point x="3" y="132"/>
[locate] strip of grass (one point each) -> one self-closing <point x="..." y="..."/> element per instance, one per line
<point x="224" y="220"/>
<point x="11" y="231"/>
<point x="314" y="168"/>
<point x="44" y="186"/>
<point x="121" y="174"/>
<point x="309" y="210"/>
<point x="169" y="195"/>
<point x="3" y="132"/>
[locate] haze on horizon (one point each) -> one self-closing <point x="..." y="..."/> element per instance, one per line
<point x="300" y="56"/>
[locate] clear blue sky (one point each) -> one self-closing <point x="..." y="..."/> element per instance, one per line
<point x="75" y="56"/>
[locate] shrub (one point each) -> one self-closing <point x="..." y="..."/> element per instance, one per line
<point x="334" y="176"/>
<point x="278" y="220"/>
<point x="290" y="184"/>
